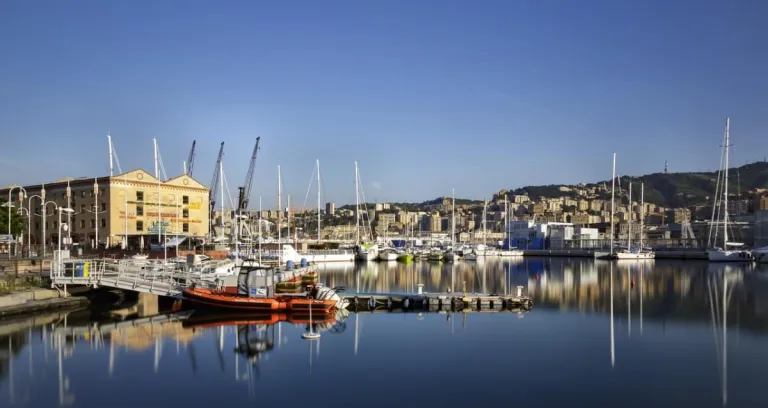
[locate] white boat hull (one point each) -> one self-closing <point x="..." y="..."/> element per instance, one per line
<point x="635" y="256"/>
<point x="719" y="255"/>
<point x="290" y="254"/>
<point x="388" y="256"/>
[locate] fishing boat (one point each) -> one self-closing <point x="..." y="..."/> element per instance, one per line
<point x="725" y="253"/>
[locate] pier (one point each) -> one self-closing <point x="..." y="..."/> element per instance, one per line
<point x="438" y="302"/>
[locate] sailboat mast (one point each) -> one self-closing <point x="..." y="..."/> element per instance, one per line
<point x="279" y="208"/>
<point x="260" y="238"/>
<point x="159" y="198"/>
<point x="288" y="217"/>
<point x="613" y="188"/>
<point x="318" y="200"/>
<point x="725" y="184"/>
<point x="111" y="169"/>
<point x="485" y="234"/>
<point x="629" y="227"/>
<point x="357" y="205"/>
<point x="642" y="216"/>
<point x="453" y="217"/>
<point x="506" y="224"/>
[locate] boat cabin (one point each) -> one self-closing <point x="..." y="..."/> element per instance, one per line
<point x="256" y="281"/>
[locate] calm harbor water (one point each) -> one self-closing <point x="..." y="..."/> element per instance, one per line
<point x="662" y="334"/>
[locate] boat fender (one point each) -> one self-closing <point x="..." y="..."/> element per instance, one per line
<point x="389" y="303"/>
<point x="372" y="303"/>
<point x="356" y="302"/>
<point x="406" y="303"/>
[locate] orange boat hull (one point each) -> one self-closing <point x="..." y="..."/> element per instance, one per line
<point x="228" y="300"/>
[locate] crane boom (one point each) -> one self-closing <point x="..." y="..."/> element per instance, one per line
<point x="245" y="190"/>
<point x="191" y="159"/>
<point x="215" y="180"/>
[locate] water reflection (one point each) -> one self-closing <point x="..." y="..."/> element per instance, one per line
<point x="663" y="318"/>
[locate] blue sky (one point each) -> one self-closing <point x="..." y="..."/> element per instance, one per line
<point x="425" y="95"/>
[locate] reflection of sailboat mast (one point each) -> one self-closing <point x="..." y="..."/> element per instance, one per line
<point x="158" y="353"/>
<point x="629" y="301"/>
<point x="111" y="355"/>
<point x="642" y="272"/>
<point x="357" y="330"/>
<point x="613" y="354"/>
<point x="722" y="356"/>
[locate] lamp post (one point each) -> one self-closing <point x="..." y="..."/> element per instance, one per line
<point x="9" y="205"/>
<point x="66" y="228"/>
<point x="29" y="225"/>
<point x="44" y="215"/>
<point x="176" y="229"/>
<point x="96" y="212"/>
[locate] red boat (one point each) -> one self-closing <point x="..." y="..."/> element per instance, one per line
<point x="228" y="300"/>
<point x="252" y="294"/>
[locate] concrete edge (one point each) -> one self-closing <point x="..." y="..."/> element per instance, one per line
<point x="34" y="306"/>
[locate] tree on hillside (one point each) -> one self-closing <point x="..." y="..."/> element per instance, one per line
<point x="18" y="223"/>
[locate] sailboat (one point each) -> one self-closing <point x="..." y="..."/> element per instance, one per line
<point x="451" y="254"/>
<point x="641" y="253"/>
<point x="364" y="251"/>
<point x="725" y="254"/>
<point x="510" y="251"/>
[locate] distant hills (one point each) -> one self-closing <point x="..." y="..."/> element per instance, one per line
<point x="664" y="189"/>
<point x="673" y="189"/>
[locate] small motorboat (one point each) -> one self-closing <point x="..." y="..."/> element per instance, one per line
<point x="254" y="292"/>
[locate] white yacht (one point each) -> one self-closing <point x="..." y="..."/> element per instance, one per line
<point x="641" y="253"/>
<point x="317" y="256"/>
<point x="730" y="251"/>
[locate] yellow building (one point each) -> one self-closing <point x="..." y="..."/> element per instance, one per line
<point x="107" y="209"/>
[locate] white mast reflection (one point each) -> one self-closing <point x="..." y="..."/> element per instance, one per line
<point x="719" y="317"/>
<point x="642" y="272"/>
<point x="613" y="353"/>
<point x="629" y="301"/>
<point x="357" y="330"/>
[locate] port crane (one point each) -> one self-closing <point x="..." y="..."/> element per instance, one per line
<point x="212" y="187"/>
<point x="191" y="159"/>
<point x="244" y="192"/>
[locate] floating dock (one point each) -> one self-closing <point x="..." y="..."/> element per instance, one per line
<point x="436" y="302"/>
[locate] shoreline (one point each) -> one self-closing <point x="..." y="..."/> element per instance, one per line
<point x="38" y="300"/>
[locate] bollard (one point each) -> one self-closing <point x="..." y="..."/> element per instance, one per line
<point x="519" y="291"/>
<point x="420" y="285"/>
